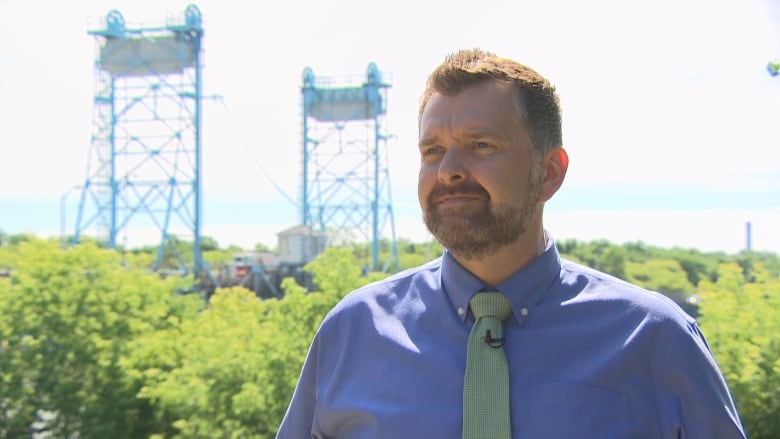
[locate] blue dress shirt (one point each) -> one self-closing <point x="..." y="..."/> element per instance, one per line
<point x="590" y="356"/>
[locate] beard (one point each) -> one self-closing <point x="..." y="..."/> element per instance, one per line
<point x="482" y="230"/>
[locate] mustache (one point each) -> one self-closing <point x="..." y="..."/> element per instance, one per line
<point x="464" y="188"/>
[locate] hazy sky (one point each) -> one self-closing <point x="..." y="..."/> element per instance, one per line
<point x="670" y="117"/>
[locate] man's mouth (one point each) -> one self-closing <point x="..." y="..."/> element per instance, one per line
<point x="455" y="199"/>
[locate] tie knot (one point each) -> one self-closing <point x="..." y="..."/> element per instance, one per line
<point x="490" y="303"/>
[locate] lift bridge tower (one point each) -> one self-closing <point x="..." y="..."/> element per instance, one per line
<point x="346" y="182"/>
<point x="144" y="165"/>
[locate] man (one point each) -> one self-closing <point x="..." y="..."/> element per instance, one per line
<point x="588" y="355"/>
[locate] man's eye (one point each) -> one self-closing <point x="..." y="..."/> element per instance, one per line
<point x="431" y="150"/>
<point x="480" y="145"/>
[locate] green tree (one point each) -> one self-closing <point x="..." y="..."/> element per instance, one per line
<point x="66" y="317"/>
<point x="226" y="372"/>
<point x="662" y="275"/>
<point x="741" y="320"/>
<point x="94" y="345"/>
<point x="19" y="238"/>
<point x="600" y="255"/>
<point x="338" y="271"/>
<point x="7" y="256"/>
<point x="230" y="371"/>
<point x="261" y="247"/>
<point x="412" y="255"/>
<point x="697" y="266"/>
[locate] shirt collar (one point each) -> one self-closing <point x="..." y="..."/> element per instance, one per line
<point x="524" y="289"/>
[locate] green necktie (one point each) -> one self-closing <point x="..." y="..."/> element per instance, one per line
<point x="486" y="385"/>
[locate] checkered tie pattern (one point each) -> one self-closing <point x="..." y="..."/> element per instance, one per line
<point x="486" y="384"/>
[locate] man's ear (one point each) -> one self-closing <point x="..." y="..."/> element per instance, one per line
<point x="555" y="163"/>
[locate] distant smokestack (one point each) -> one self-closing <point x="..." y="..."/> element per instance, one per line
<point x="748" y="236"/>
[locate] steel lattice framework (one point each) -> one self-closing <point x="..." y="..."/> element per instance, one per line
<point x="346" y="184"/>
<point x="144" y="163"/>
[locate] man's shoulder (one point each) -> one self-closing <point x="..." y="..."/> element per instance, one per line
<point x="601" y="287"/>
<point x="391" y="290"/>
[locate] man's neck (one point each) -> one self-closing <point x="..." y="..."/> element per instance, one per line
<point x="507" y="260"/>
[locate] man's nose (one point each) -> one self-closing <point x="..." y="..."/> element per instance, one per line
<point x="452" y="166"/>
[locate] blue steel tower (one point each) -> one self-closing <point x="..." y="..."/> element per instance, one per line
<point x="346" y="182"/>
<point x="144" y="165"/>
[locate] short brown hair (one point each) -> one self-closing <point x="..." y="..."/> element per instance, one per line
<point x="537" y="99"/>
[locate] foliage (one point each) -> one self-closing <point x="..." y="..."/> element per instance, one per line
<point x="662" y="275"/>
<point x="410" y="254"/>
<point x="414" y="254"/>
<point x="8" y="254"/>
<point x="93" y="344"/>
<point x="177" y="253"/>
<point x="335" y="272"/>
<point x="260" y="247"/>
<point x="66" y="317"/>
<point x="230" y="372"/>
<point x="600" y="255"/>
<point x="741" y="319"/>
<point x="17" y="239"/>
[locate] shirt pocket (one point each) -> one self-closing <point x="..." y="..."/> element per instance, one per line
<point x="574" y="410"/>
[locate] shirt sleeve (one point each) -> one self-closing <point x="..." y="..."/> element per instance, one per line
<point x="694" y="400"/>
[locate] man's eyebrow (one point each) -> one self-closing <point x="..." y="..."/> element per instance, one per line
<point x="427" y="141"/>
<point x="475" y="134"/>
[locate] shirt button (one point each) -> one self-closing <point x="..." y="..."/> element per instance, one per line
<point x="461" y="311"/>
<point x="524" y="312"/>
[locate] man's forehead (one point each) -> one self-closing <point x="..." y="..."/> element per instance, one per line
<point x="472" y="104"/>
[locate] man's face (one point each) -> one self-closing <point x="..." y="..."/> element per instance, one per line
<point x="478" y="186"/>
